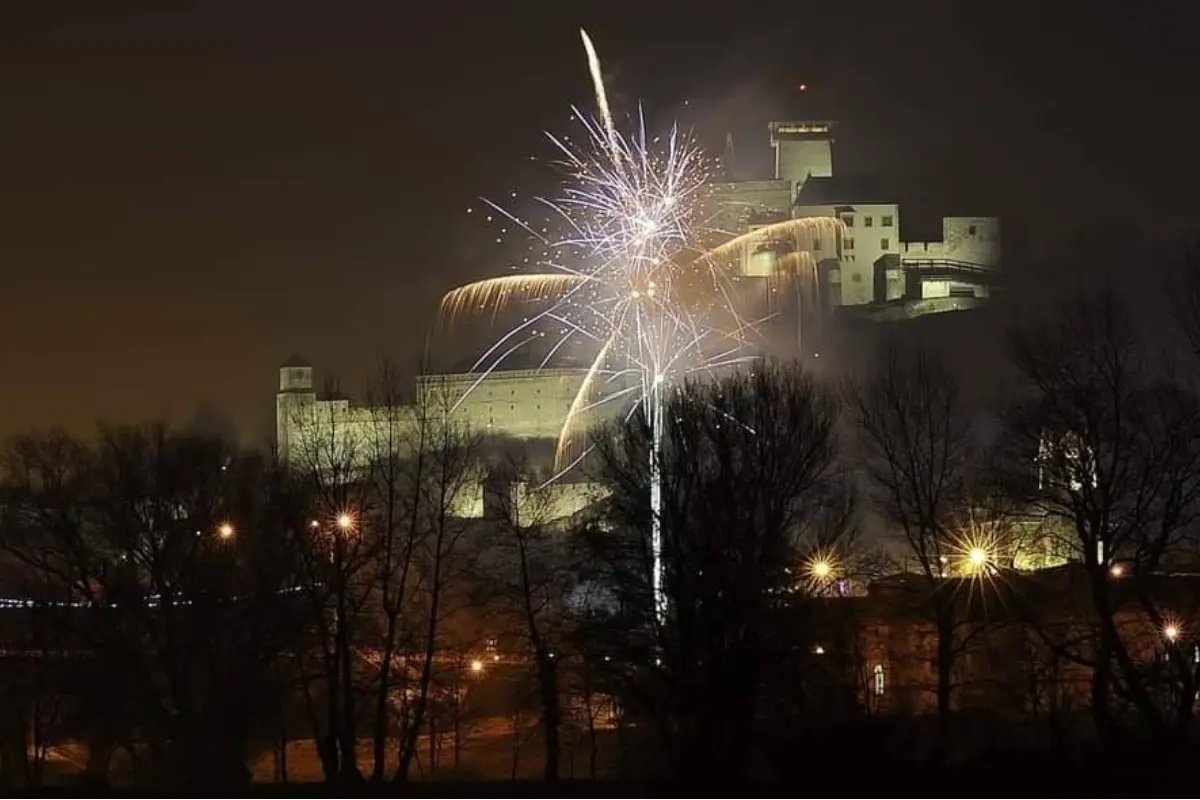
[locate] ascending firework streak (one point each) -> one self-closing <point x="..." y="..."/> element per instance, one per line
<point x="655" y="305"/>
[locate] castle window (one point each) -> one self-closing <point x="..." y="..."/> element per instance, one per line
<point x="849" y="244"/>
<point x="867" y="222"/>
<point x="816" y="245"/>
<point x="887" y="221"/>
<point x="970" y="230"/>
<point x="877" y="683"/>
<point x="884" y="244"/>
<point x="856" y="278"/>
<point x="848" y="220"/>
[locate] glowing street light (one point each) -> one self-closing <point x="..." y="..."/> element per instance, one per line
<point x="1116" y="570"/>
<point x="345" y="521"/>
<point x="977" y="558"/>
<point x="477" y="666"/>
<point x="225" y="530"/>
<point x="1171" y="631"/>
<point x="821" y="569"/>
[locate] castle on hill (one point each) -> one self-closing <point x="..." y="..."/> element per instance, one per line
<point x="872" y="268"/>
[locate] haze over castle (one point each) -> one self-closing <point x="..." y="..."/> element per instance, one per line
<point x="869" y="270"/>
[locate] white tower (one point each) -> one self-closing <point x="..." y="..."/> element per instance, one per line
<point x="803" y="150"/>
<point x="295" y="394"/>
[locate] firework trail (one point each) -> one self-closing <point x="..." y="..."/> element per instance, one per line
<point x="601" y="95"/>
<point x="649" y="297"/>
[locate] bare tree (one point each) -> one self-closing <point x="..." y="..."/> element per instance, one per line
<point x="131" y="540"/>
<point x="917" y="453"/>
<point x="331" y="457"/>
<point x="1110" y="449"/>
<point x="444" y="478"/>
<point x="531" y="580"/>
<point x="748" y="463"/>
<point x="397" y="455"/>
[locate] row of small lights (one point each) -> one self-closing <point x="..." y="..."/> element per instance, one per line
<point x="344" y="522"/>
<point x="821" y="569"/>
<point x="225" y="531"/>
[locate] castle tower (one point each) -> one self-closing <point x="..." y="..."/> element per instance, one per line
<point x="295" y="394"/>
<point x="803" y="150"/>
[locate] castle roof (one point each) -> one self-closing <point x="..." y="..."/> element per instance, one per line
<point x="295" y="361"/>
<point x="844" y="190"/>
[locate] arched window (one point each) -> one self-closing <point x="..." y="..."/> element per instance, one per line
<point x="878" y="682"/>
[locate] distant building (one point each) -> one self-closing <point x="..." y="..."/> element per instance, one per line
<point x="333" y="433"/>
<point x="1004" y="662"/>
<point x="871" y="266"/>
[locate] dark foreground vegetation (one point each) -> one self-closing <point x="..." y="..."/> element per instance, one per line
<point x="416" y="604"/>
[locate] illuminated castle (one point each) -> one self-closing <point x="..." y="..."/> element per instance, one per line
<point x="872" y="267"/>
<point x="333" y="433"/>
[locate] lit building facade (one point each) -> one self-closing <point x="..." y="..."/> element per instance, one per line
<point x="525" y="405"/>
<point x="872" y="266"/>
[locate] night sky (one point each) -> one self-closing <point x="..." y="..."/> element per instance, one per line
<point x="193" y="192"/>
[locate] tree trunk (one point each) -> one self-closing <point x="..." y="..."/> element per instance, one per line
<point x="348" y="743"/>
<point x="379" y="738"/>
<point x="551" y="713"/>
<point x="418" y="714"/>
<point x="516" y="748"/>
<point x="457" y="716"/>
<point x="945" y="675"/>
<point x="1101" y="681"/>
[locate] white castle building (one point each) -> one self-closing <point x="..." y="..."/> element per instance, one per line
<point x="525" y="405"/>
<point x="872" y="266"/>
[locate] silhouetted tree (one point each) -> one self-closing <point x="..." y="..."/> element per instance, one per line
<point x="135" y="539"/>
<point x="331" y="458"/>
<point x="749" y="464"/>
<point x="444" y="479"/>
<point x="917" y="452"/>
<point x="1101" y="441"/>
<point x="531" y="580"/>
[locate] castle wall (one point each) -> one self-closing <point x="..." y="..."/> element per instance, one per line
<point x="970" y="240"/>
<point x="337" y="436"/>
<point x="872" y="230"/>
<point x="527" y="404"/>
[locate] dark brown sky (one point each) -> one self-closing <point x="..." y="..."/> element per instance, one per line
<point x="189" y="192"/>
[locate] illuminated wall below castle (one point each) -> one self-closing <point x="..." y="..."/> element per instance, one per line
<point x="336" y="436"/>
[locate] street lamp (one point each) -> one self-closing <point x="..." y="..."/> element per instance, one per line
<point x="977" y="558"/>
<point x="225" y="530"/>
<point x="477" y="666"/>
<point x="1171" y="631"/>
<point x="821" y="569"/>
<point x="345" y="521"/>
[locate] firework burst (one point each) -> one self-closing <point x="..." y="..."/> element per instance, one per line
<point x="647" y="294"/>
